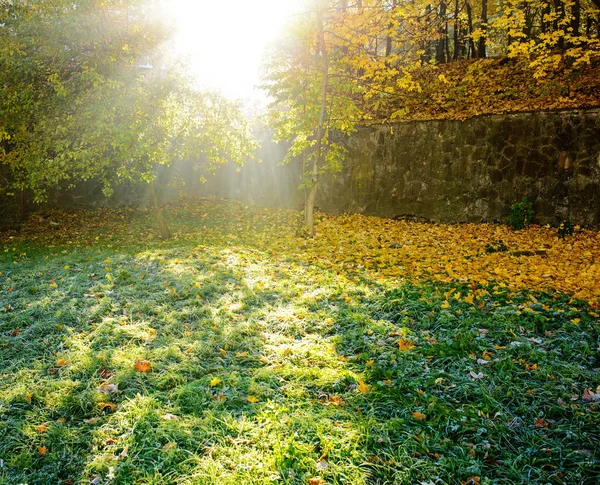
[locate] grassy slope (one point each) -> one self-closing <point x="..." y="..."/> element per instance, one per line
<point x="227" y="315"/>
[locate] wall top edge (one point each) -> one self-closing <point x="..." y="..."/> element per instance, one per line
<point x="515" y="114"/>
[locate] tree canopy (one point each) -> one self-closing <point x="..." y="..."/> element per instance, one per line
<point x="90" y="89"/>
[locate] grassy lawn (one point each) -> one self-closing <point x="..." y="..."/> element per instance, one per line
<point x="238" y="353"/>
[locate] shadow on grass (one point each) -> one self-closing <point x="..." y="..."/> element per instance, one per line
<point x="271" y="370"/>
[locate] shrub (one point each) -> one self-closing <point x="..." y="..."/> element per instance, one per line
<point x="566" y="229"/>
<point x="520" y="214"/>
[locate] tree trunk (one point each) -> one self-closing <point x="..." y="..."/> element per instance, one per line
<point x="309" y="209"/>
<point x="163" y="229"/>
<point x="22" y="204"/>
<point x="576" y="17"/>
<point x="389" y="39"/>
<point x="440" y="45"/>
<point x="426" y="44"/>
<point x="319" y="156"/>
<point x="544" y="24"/>
<point x="481" y="45"/>
<point x="456" y="51"/>
<point x="471" y="52"/>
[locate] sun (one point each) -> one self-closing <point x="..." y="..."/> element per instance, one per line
<point x="224" y="41"/>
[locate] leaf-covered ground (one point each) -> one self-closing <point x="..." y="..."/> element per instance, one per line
<point x="238" y="353"/>
<point x="463" y="89"/>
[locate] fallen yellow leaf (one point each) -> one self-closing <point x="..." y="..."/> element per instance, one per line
<point x="404" y="344"/>
<point x="362" y="387"/>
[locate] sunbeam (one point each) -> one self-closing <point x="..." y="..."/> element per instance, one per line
<point x="224" y="41"/>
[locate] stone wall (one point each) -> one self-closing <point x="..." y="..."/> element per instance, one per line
<point x="446" y="171"/>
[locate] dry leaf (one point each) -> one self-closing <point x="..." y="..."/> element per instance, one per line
<point x="362" y="387"/>
<point x="589" y="396"/>
<point x="108" y="388"/>
<point x="252" y="399"/>
<point x="42" y="450"/>
<point x="107" y="405"/>
<point x="418" y="416"/>
<point x="142" y="365"/>
<point x="42" y="428"/>
<point x="61" y="363"/>
<point x="241" y="355"/>
<point x="404" y="344"/>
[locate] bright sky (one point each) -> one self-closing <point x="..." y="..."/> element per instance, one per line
<point x="225" y="39"/>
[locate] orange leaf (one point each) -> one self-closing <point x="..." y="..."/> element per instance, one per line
<point x="107" y="405"/>
<point x="42" y="450"/>
<point x="418" y="416"/>
<point x="336" y="401"/>
<point x="61" y="363"/>
<point x="142" y="365"/>
<point x="42" y="428"/>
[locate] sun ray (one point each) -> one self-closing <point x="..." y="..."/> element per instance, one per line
<point x="223" y="42"/>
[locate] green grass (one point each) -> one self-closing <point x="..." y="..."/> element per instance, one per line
<point x="300" y="336"/>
